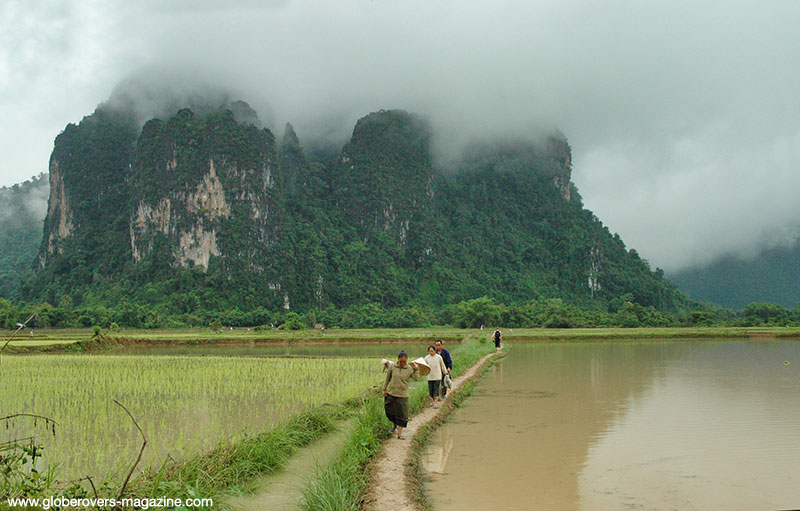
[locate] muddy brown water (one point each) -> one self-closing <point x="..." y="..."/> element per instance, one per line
<point x="626" y="425"/>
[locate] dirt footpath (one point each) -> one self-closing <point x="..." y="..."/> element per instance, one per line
<point x="387" y="487"/>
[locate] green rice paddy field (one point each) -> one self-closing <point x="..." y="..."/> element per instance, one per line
<point x="184" y="404"/>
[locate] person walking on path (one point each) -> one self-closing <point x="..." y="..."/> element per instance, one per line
<point x="395" y="392"/>
<point x="448" y="363"/>
<point x="438" y="370"/>
<point x="497" y="337"/>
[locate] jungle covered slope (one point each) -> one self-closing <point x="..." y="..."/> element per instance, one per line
<point x="200" y="212"/>
<point x="771" y="276"/>
<point x="22" y="210"/>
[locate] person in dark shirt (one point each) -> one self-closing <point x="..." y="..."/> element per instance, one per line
<point x="448" y="363"/>
<point x="497" y="337"/>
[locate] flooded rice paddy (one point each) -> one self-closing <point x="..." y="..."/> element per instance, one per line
<point x="626" y="425"/>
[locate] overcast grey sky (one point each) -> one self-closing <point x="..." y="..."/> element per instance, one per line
<point x="684" y="117"/>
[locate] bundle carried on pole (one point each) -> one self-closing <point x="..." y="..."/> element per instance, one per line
<point x="422" y="366"/>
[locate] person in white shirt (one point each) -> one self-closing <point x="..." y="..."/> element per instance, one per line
<point x="438" y="370"/>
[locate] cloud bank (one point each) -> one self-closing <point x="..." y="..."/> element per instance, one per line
<point x="684" y="119"/>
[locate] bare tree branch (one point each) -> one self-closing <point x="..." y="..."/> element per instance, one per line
<point x="139" y="457"/>
<point x="89" y="478"/>
<point x="35" y="416"/>
<point x="17" y="441"/>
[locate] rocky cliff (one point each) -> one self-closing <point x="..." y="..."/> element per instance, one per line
<point x="190" y="178"/>
<point x="89" y="188"/>
<point x="211" y="209"/>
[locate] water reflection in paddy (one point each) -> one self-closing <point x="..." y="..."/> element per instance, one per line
<point x="650" y="425"/>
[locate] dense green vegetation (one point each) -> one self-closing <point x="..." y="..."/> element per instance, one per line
<point x="373" y="236"/>
<point x="22" y="210"/>
<point x="484" y="311"/>
<point x="771" y="276"/>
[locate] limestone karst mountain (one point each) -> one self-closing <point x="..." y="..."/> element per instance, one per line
<point x="210" y="210"/>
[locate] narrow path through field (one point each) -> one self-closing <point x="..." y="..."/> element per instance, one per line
<point x="387" y="489"/>
<point x="283" y="490"/>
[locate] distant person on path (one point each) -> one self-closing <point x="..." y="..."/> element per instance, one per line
<point x="448" y="363"/>
<point x="438" y="370"/>
<point x="395" y="392"/>
<point x="497" y="337"/>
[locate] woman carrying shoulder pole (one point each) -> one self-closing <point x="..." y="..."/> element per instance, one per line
<point x="438" y="370"/>
<point x="395" y="392"/>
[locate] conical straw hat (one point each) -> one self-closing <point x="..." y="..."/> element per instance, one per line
<point x="423" y="366"/>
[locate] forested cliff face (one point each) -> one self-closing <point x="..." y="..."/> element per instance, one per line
<point x="770" y="276"/>
<point x="89" y="188"/>
<point x="192" y="180"/>
<point x="22" y="210"/>
<point x="209" y="211"/>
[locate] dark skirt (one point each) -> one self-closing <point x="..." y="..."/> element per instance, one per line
<point x="396" y="409"/>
